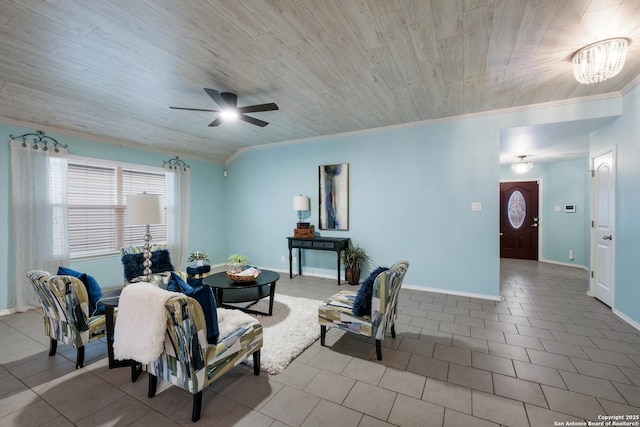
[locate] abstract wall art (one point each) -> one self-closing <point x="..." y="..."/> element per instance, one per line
<point x="334" y="196"/>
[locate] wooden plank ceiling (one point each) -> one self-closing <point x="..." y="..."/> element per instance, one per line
<point x="111" y="69"/>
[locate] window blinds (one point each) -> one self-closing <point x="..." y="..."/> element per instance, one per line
<point x="97" y="196"/>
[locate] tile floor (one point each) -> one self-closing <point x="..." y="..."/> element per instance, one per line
<point x="547" y="353"/>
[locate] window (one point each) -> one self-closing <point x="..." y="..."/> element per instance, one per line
<point x="97" y="197"/>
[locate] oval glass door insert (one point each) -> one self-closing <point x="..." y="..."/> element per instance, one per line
<point x="516" y="209"/>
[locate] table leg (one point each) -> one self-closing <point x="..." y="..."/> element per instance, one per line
<point x="219" y="297"/>
<point x="272" y="294"/>
<point x="109" y="320"/>
<point x="290" y="264"/>
<point x="136" y="368"/>
<point x="338" y="268"/>
<point x="299" y="263"/>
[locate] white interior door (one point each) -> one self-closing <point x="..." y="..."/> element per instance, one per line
<point x="603" y="191"/>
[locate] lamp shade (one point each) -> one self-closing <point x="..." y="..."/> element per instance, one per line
<point x="144" y="209"/>
<point x="300" y="203"/>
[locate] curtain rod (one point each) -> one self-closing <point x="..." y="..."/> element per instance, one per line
<point x="176" y="164"/>
<point x="39" y="138"/>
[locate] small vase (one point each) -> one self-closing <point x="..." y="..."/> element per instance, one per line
<point x="200" y="262"/>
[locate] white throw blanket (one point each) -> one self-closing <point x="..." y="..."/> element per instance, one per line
<point x="229" y="320"/>
<point x="141" y="322"/>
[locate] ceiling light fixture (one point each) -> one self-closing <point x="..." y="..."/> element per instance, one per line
<point x="599" y="61"/>
<point x="229" y="114"/>
<point x="522" y="166"/>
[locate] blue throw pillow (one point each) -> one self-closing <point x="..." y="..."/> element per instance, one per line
<point x="132" y="263"/>
<point x="204" y="296"/>
<point x="94" y="291"/>
<point x="362" y="303"/>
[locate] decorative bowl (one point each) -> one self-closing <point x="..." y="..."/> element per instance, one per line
<point x="243" y="278"/>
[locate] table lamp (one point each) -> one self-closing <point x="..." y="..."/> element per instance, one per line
<point x="301" y="203"/>
<point x="145" y="209"/>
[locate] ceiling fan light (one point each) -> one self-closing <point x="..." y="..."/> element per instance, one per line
<point x="522" y="166"/>
<point x="599" y="61"/>
<point x="229" y="114"/>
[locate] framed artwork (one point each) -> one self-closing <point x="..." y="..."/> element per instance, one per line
<point x="333" y="182"/>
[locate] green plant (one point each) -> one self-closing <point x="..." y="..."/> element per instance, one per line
<point x="237" y="263"/>
<point x="354" y="257"/>
<point x="238" y="259"/>
<point x="198" y="256"/>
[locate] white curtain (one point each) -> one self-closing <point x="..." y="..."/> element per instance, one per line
<point x="178" y="202"/>
<point x="39" y="203"/>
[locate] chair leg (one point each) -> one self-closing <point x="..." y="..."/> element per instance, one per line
<point x="136" y="370"/>
<point x="53" y="346"/>
<point x="323" y="333"/>
<point x="80" y="357"/>
<point x="393" y="331"/>
<point x="256" y="363"/>
<point x="379" y="349"/>
<point x="197" y="405"/>
<point x="153" y="383"/>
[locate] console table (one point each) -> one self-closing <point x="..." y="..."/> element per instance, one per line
<point x="336" y="244"/>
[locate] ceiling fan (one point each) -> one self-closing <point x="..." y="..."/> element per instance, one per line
<point x="229" y="109"/>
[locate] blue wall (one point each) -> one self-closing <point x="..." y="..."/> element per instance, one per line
<point x="207" y="214"/>
<point x="624" y="134"/>
<point x="567" y="183"/>
<point x="411" y="189"/>
<point x="562" y="182"/>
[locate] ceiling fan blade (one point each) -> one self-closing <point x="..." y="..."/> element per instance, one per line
<point x="230" y="98"/>
<point x="216" y="122"/>
<point x="253" y="120"/>
<point x="215" y="95"/>
<point x="193" y="109"/>
<point x="256" y="108"/>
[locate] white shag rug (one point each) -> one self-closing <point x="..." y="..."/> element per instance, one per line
<point x="292" y="328"/>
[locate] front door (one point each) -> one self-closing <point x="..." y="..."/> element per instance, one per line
<point x="519" y="220"/>
<point x="603" y="188"/>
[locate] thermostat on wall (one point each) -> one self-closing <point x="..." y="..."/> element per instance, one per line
<point x="570" y="208"/>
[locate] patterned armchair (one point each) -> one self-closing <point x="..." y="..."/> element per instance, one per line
<point x="65" y="309"/>
<point x="338" y="310"/>
<point x="189" y="362"/>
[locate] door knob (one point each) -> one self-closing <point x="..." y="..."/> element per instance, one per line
<point x="607" y="238"/>
<point x="534" y="225"/>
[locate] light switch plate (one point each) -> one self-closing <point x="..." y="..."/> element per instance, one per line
<point x="476" y="206"/>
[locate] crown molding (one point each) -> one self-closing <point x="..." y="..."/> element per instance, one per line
<point x="481" y="114"/>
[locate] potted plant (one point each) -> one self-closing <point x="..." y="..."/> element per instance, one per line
<point x="354" y="259"/>
<point x="237" y="263"/>
<point x="198" y="256"/>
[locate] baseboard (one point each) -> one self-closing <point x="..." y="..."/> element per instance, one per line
<point x="305" y="272"/>
<point x="626" y="318"/>
<point x="8" y="311"/>
<point x="453" y="292"/>
<point x="404" y="285"/>
<point x="620" y="314"/>
<point x="566" y="264"/>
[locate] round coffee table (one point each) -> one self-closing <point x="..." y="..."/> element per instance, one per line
<point x="244" y="294"/>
